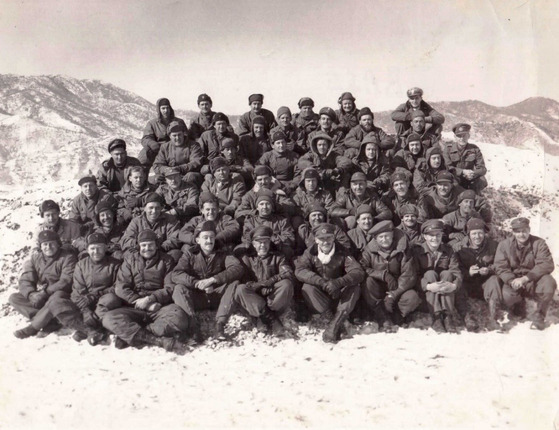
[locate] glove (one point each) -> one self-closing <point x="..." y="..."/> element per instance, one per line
<point x="333" y="289"/>
<point x="266" y="291"/>
<point x="391" y="282"/>
<point x="38" y="299"/>
<point x="154" y="307"/>
<point x="90" y="319"/>
<point x="389" y="302"/>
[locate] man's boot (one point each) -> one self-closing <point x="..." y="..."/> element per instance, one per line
<point x="332" y="332"/>
<point x="452" y="322"/>
<point x="384" y="319"/>
<point x="492" y="324"/>
<point x="438" y="324"/>
<point x="51" y="327"/>
<point x="538" y="322"/>
<point x="520" y="309"/>
<point x="24" y="333"/>
<point x="144" y="336"/>
<point x="275" y="327"/>
<point x="196" y="331"/>
<point x="83" y="331"/>
<point x="219" y="331"/>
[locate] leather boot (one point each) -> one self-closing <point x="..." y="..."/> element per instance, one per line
<point x="219" y="331"/>
<point x="438" y="324"/>
<point x="196" y="331"/>
<point x="384" y="319"/>
<point x="145" y="337"/>
<point x="24" y="333"/>
<point x="332" y="332"/>
<point x="274" y="325"/>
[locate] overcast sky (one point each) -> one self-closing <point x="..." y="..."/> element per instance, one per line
<point x="499" y="51"/>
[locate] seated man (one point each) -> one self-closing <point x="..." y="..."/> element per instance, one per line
<point x="425" y="174"/>
<point x="311" y="191"/>
<point x="254" y="144"/>
<point x="68" y="232"/>
<point x="348" y="201"/>
<point x="427" y="136"/>
<point x="179" y="152"/>
<point x="227" y="229"/>
<point x="476" y="254"/>
<point x="331" y="279"/>
<point x="255" y="102"/>
<point x="361" y="235"/>
<point x="347" y="114"/>
<point x="371" y="161"/>
<point x="391" y="276"/>
<point x="266" y="289"/>
<point x="456" y="221"/>
<point x="409" y="156"/>
<point x="205" y="279"/>
<point x="82" y="209"/>
<point x="211" y="140"/>
<point x="295" y="139"/>
<point x="326" y="124"/>
<point x="237" y="163"/>
<point x="164" y="226"/>
<point x="282" y="162"/>
<point x="415" y="102"/>
<point x="402" y="193"/>
<point x="410" y="225"/>
<point x="203" y="122"/>
<point x="155" y="132"/>
<point x="365" y="127"/>
<point x="465" y="161"/>
<point x="148" y="316"/>
<point x="306" y="121"/>
<point x="181" y="197"/>
<point x="439" y="276"/>
<point x="229" y="188"/>
<point x="46" y="276"/>
<point x="524" y="265"/>
<point x="131" y="198"/>
<point x="110" y="175"/>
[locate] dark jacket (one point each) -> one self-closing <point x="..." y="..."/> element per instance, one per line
<point x="82" y="209"/>
<point x="283" y="167"/>
<point x="424" y="175"/>
<point x="166" y="227"/>
<point x="324" y="165"/>
<point x="394" y="202"/>
<point x="184" y="200"/>
<point x="283" y="204"/>
<point x="210" y="143"/>
<point x="272" y="268"/>
<point x="282" y="230"/>
<point x="484" y="256"/>
<point x="305" y="238"/>
<point x="377" y="171"/>
<point x="111" y="176"/>
<point x="93" y="280"/>
<point x="252" y="148"/>
<point x="131" y="202"/>
<point x="245" y="121"/>
<point x="68" y="232"/>
<point x="469" y="158"/>
<point x="228" y="230"/>
<point x="355" y="136"/>
<point x="402" y="114"/>
<point x="347" y="120"/>
<point x="347" y="203"/>
<point x="187" y="157"/>
<point x="229" y="194"/>
<point x="427" y="260"/>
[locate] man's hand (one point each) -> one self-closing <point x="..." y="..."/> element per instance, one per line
<point x="474" y="270"/>
<point x="391" y="281"/>
<point x="484" y="271"/>
<point x="154" y="307"/>
<point x="389" y="302"/>
<point x="204" y="284"/>
<point x="447" y="287"/>
<point x="38" y="299"/>
<point x="434" y="287"/>
<point x="333" y="289"/>
<point x="519" y="283"/>
<point x="143" y="303"/>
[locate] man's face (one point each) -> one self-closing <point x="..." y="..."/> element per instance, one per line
<point x="222" y="174"/>
<point x="409" y="220"/>
<point x="229" y="153"/>
<point x="256" y="106"/>
<point x="418" y="124"/>
<point x="205" y="107"/>
<point x="262" y="246"/>
<point x="280" y="146"/>
<point x="106" y="219"/>
<point x="258" y="130"/>
<point x="206" y="241"/>
<point x="347" y="105"/>
<point x="358" y="187"/>
<point x="264" y="181"/>
<point x="365" y="221"/>
<point x="220" y="127"/>
<point x="463" y="138"/>
<point x="51" y="217"/>
<point x="415" y="101"/>
<point x="325" y="244"/>
<point x="521" y="234"/>
<point x="165" y="111"/>
<point x="385" y="239"/>
<point x="306" y="111"/>
<point x="444" y="188"/>
<point x="137" y="179"/>
<point x="264" y="208"/>
<point x="415" y="147"/>
<point x="177" y="137"/>
<point x="209" y="211"/>
<point x="311" y="184"/>
<point x="322" y="147"/>
<point x="173" y="181"/>
<point x="435" y="161"/>
<point x="371" y="151"/>
<point x="325" y="122"/>
<point x="316" y="218"/>
<point x="401" y="188"/>
<point x="97" y="251"/>
<point x="148" y="249"/>
<point x="152" y="210"/>
<point x="119" y="156"/>
<point x="89" y="189"/>
<point x="477" y="237"/>
<point x="366" y="122"/>
<point x="50" y="247"/>
<point x="433" y="239"/>
<point x="284" y="120"/>
<point x="467" y="206"/>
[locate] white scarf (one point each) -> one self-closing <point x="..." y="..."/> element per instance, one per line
<point x="325" y="258"/>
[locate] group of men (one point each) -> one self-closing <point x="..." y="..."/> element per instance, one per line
<point x="323" y="213"/>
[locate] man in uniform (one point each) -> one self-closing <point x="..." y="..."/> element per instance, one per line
<point x="415" y="102"/>
<point x="457" y="220"/>
<point x="306" y="120"/>
<point x="254" y="144"/>
<point x="228" y="187"/>
<point x="347" y="114"/>
<point x="326" y="125"/>
<point x="211" y="141"/>
<point x="373" y="163"/>
<point x="365" y="127"/>
<point x="402" y="193"/>
<point x="255" y="102"/>
<point x="82" y="209"/>
<point x="181" y="197"/>
<point x="67" y="231"/>
<point x="204" y="120"/>
<point x="111" y="175"/>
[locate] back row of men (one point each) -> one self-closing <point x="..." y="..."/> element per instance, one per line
<point x="378" y="231"/>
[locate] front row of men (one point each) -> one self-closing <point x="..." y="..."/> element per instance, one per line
<point x="149" y="299"/>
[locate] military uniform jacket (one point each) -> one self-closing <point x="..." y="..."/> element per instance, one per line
<point x="404" y="158"/>
<point x="53" y="272"/>
<point x="428" y="138"/>
<point x="283" y="167"/>
<point x="483" y="256"/>
<point x="252" y="148"/>
<point x="111" y="176"/>
<point x="394" y="202"/>
<point x="342" y="268"/>
<point x="93" y="280"/>
<point x="377" y="170"/>
<point x="413" y="234"/>
<point x="184" y="199"/>
<point x="283" y="204"/>
<point x="242" y="166"/>
<point x="470" y="158"/>
<point x="245" y="121"/>
<point x="166" y="227"/>
<point x="68" y="231"/>
<point x="283" y="233"/>
<point x="332" y="160"/>
<point x="155" y="133"/>
<point x="306" y="125"/>
<point x="305" y="238"/>
<point x="347" y="120"/>
<point x="113" y="237"/>
<point x="194" y="266"/>
<point x="228" y="193"/>
<point x="129" y="198"/>
<point x="359" y="240"/>
<point x="210" y="142"/>
<point x="444" y="259"/>
<point x="438" y="206"/>
<point x="187" y="157"/>
<point x="200" y="124"/>
<point x="336" y="134"/>
<point x="532" y="260"/>
<point x="228" y="230"/>
<point x="355" y="136"/>
<point x="456" y="223"/>
<point x="272" y="267"/>
<point x="424" y="178"/>
<point x="293" y="135"/>
<point x="138" y="278"/>
<point x="304" y="199"/>
<point x="403" y="112"/>
<point x="346" y="201"/>
<point x="82" y="209"/>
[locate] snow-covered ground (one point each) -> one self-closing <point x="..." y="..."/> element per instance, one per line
<point x="411" y="379"/>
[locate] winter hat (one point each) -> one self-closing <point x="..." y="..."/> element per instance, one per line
<point x="206" y="197"/>
<point x="228" y="142"/>
<point x="105" y="205"/>
<point x="305" y="101"/>
<point x="416" y="113"/>
<point x="163" y="102"/>
<point x="154" y="198"/>
<point x="147" y="236"/>
<point x="47" y="236"/>
<point x="435" y="150"/>
<point x="262" y="171"/>
<point x="255" y="98"/>
<point x="220" y="116"/>
<point x="48" y="205"/>
<point x="466" y="195"/>
<point x="519" y="223"/>
<point x="176" y="126"/>
<point x="475" y="224"/>
<point x="432" y="226"/>
<point x="95" y="238"/>
<point x="324" y="231"/>
<point x="365" y="111"/>
<point x="363" y="209"/>
<point x="381" y="227"/>
<point x="346" y="96"/>
<point x="279" y="135"/>
<point x="217" y="163"/>
<point x="408" y="209"/>
<point x="116" y="143"/>
<point x="413" y="137"/>
<point x="265" y="195"/>
<point x="329" y="112"/>
<point x="87" y="179"/>
<point x="310" y="173"/>
<point x="399" y="176"/>
<point x="261" y="232"/>
<point x="171" y="171"/>
<point x="358" y="176"/>
<point x="283" y="110"/>
<point x="204" y="226"/>
<point x="444" y="176"/>
<point x="461" y="128"/>
<point x="204" y="98"/>
<point x="320" y="136"/>
<point x="415" y="91"/>
<point x="259" y="119"/>
<point x="316" y="207"/>
<point x="371" y="138"/>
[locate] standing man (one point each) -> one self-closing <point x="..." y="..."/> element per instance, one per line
<point x="402" y="115"/>
<point x="255" y="102"/>
<point x="203" y="121"/>
<point x="111" y="174"/>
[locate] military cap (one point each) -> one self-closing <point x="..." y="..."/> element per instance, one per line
<point x="432" y="226"/>
<point x="408" y="209"/>
<point x="399" y="176"/>
<point x="358" y="176"/>
<point x="321" y="136"/>
<point x="171" y="171"/>
<point x="204" y="226"/>
<point x="217" y="163"/>
<point x="220" y="116"/>
<point x="324" y="231"/>
<point x="147" y="235"/>
<point x="175" y="126"/>
<point x="444" y="176"/>
<point x="154" y="198"/>
<point x="365" y="111"/>
<point x="466" y="195"/>
<point x="116" y="143"/>
<point x="519" y="223"/>
<point x="435" y="150"/>
<point x="262" y="171"/>
<point x="461" y="128"/>
<point x="316" y="207"/>
<point x="105" y="205"/>
<point x="283" y="110"/>
<point x="363" y="209"/>
<point x="305" y="101"/>
<point x="346" y="96"/>
<point x="416" y="113"/>
<point x="163" y="101"/>
<point x="255" y="98"/>
<point x="310" y="173"/>
<point x="87" y="179"/>
<point x="95" y="238"/>
<point x="261" y="232"/>
<point x="278" y="135"/>
<point x="475" y="224"/>
<point x="48" y="205"/>
<point x="329" y="112"/>
<point x="228" y="142"/>
<point x="415" y="91"/>
<point x="413" y="137"/>
<point x="259" y="119"/>
<point x="207" y="197"/>
<point x="371" y="138"/>
<point x="47" y="236"/>
<point x="204" y="98"/>
<point x="264" y="195"/>
<point x="381" y="227"/>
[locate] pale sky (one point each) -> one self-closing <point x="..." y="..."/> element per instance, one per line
<point x="499" y="52"/>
